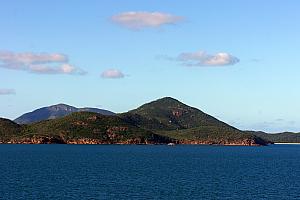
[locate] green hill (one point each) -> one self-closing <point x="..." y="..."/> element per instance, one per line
<point x="285" y="137"/>
<point x="169" y="117"/>
<point x="214" y="135"/>
<point x="170" y="114"/>
<point x="8" y="129"/>
<point x="86" y="127"/>
<point x="159" y="122"/>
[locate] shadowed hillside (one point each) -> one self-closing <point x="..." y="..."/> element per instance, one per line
<point x="54" y="112"/>
<point x="285" y="137"/>
<point x="105" y="129"/>
<point x="8" y="129"/>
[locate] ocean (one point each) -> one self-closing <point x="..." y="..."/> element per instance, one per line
<point x="149" y="172"/>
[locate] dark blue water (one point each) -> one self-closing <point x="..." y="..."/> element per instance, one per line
<point x="149" y="172"/>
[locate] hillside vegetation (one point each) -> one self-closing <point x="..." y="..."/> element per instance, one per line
<point x="170" y="114"/>
<point x="285" y="137"/>
<point x="169" y="117"/>
<point x="159" y="122"/>
<point x="107" y="129"/>
<point x="9" y="129"/>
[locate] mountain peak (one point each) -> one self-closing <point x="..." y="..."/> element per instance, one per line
<point x="173" y="114"/>
<point x="55" y="111"/>
<point x="168" y="99"/>
<point x="163" y="103"/>
<point x="62" y="107"/>
<point x="170" y="117"/>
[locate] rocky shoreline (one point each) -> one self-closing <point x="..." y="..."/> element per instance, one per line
<point x="59" y="140"/>
<point x="245" y="142"/>
<point x="82" y="141"/>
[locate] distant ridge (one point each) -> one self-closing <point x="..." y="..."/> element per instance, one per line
<point x="54" y="112"/>
<point x="285" y="137"/>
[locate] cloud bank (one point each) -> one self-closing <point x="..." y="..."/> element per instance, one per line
<point x="40" y="63"/>
<point x="7" y="91"/>
<point x="201" y="58"/>
<point x="139" y="20"/>
<point x="112" y="74"/>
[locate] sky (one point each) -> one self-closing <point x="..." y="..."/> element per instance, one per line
<point x="235" y="60"/>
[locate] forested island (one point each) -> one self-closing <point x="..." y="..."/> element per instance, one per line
<point x="163" y="121"/>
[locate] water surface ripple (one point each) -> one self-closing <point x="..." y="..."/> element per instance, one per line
<point x="149" y="172"/>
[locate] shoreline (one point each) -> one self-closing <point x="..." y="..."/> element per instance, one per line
<point x="292" y="143"/>
<point x="143" y="144"/>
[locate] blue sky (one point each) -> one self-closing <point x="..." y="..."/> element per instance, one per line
<point x="236" y="60"/>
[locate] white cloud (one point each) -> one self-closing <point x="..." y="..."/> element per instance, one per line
<point x="201" y="58"/>
<point x="31" y="58"/>
<point x="41" y="63"/>
<point x="7" y="91"/>
<point x="139" y="20"/>
<point x="112" y="73"/>
<point x="61" y="69"/>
